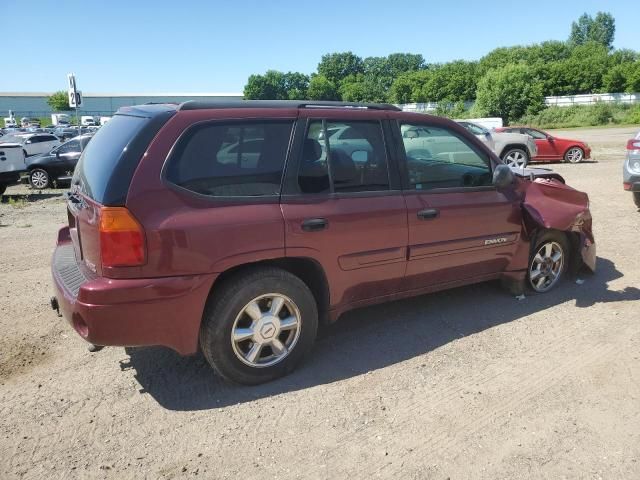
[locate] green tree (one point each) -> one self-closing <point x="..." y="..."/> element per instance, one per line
<point x="336" y="66"/>
<point x="600" y="29"/>
<point x="270" y="86"/>
<point x="633" y="77"/>
<point x="296" y="84"/>
<point x="615" y="80"/>
<point x="321" y="88"/>
<point x="509" y="92"/>
<point x="453" y="81"/>
<point x="59" y="101"/>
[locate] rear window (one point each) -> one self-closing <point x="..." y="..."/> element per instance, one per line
<point x="231" y="159"/>
<point x="101" y="157"/>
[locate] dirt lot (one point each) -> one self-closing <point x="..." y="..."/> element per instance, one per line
<point x="469" y="383"/>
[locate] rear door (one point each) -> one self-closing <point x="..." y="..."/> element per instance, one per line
<point x="343" y="206"/>
<point x="460" y="226"/>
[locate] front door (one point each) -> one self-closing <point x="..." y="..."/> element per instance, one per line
<point x="343" y="206"/>
<point x="547" y="149"/>
<point x="460" y="227"/>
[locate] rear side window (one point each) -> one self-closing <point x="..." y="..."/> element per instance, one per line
<point x="231" y="159"/>
<point x="357" y="159"/>
<point x="100" y="159"/>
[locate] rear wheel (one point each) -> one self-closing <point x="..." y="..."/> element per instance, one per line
<point x="516" y="157"/>
<point x="636" y="198"/>
<point x="2" y="189"/>
<point x="548" y="261"/>
<point x="39" y="179"/>
<point x="259" y="326"/>
<point x="574" y="155"/>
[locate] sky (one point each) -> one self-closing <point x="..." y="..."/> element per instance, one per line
<point x="144" y="46"/>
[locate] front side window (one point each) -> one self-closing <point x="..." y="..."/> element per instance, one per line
<point x="438" y="158"/>
<point x="343" y="157"/>
<point x="231" y="160"/>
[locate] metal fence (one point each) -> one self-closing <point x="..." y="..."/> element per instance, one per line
<point x="561" y="101"/>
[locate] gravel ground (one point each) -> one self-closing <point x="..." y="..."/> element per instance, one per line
<point x="468" y="383"/>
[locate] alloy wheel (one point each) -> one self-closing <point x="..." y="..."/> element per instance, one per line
<point x="574" y="155"/>
<point x="39" y="179"/>
<point x="516" y="158"/>
<point x="266" y="330"/>
<point x="546" y="266"/>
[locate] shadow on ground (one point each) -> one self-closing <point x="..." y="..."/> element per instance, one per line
<point x="28" y="197"/>
<point x="366" y="339"/>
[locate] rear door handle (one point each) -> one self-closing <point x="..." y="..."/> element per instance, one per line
<point x="428" y="213"/>
<point x="314" y="224"/>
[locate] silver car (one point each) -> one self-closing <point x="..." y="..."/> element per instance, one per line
<point x="515" y="149"/>
<point x="631" y="169"/>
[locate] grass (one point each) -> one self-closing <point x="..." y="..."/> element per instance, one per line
<point x="597" y="115"/>
<point x="19" y="202"/>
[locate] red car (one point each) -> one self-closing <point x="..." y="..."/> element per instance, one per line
<point x="552" y="149"/>
<point x="236" y="228"/>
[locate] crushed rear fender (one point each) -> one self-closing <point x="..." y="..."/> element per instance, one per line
<point x="550" y="204"/>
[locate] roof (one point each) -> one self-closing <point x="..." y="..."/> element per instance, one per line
<point x="201" y="105"/>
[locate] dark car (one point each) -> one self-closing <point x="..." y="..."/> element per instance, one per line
<point x="66" y="132"/>
<point x="56" y="166"/>
<point x="236" y="228"/>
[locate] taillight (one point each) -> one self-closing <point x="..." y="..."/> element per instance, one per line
<point x="633" y="144"/>
<point x="121" y="238"/>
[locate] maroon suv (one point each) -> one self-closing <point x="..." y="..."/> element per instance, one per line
<point x="236" y="227"/>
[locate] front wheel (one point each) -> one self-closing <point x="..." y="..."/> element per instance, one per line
<point x="548" y="262"/>
<point x="2" y="189"/>
<point x="516" y="157"/>
<point x="39" y="179"/>
<point x="259" y="326"/>
<point x="574" y="155"/>
<point x="636" y="198"/>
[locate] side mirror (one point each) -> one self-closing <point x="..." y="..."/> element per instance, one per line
<point x="503" y="176"/>
<point x="550" y="138"/>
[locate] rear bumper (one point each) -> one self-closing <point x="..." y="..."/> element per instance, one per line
<point x="129" y="312"/>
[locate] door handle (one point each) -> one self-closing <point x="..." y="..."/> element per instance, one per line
<point x="314" y="224"/>
<point x="428" y="213"/>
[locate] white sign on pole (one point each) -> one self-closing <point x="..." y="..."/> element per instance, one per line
<point x="75" y="99"/>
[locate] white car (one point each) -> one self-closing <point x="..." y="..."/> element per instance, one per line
<point x="516" y="149"/>
<point x="32" y="143"/>
<point x="11" y="165"/>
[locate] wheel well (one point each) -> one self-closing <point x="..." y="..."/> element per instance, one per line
<point x="306" y="269"/>
<point x="512" y="146"/>
<point x="573" y="146"/>
<point x="573" y="240"/>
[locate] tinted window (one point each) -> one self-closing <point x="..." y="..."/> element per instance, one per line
<point x="438" y="158"/>
<point x="72" y="146"/>
<point x="357" y="159"/>
<point x="475" y="129"/>
<point x="244" y="159"/>
<point x="535" y="134"/>
<point x="100" y="158"/>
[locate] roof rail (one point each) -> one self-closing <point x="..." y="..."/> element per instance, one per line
<point x="201" y="105"/>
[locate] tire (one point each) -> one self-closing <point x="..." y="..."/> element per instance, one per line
<point x="516" y="157"/>
<point x="544" y="271"/>
<point x="39" y="179"/>
<point x="2" y="189"/>
<point x="636" y="198"/>
<point x="226" y="313"/>
<point x="574" y="155"/>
